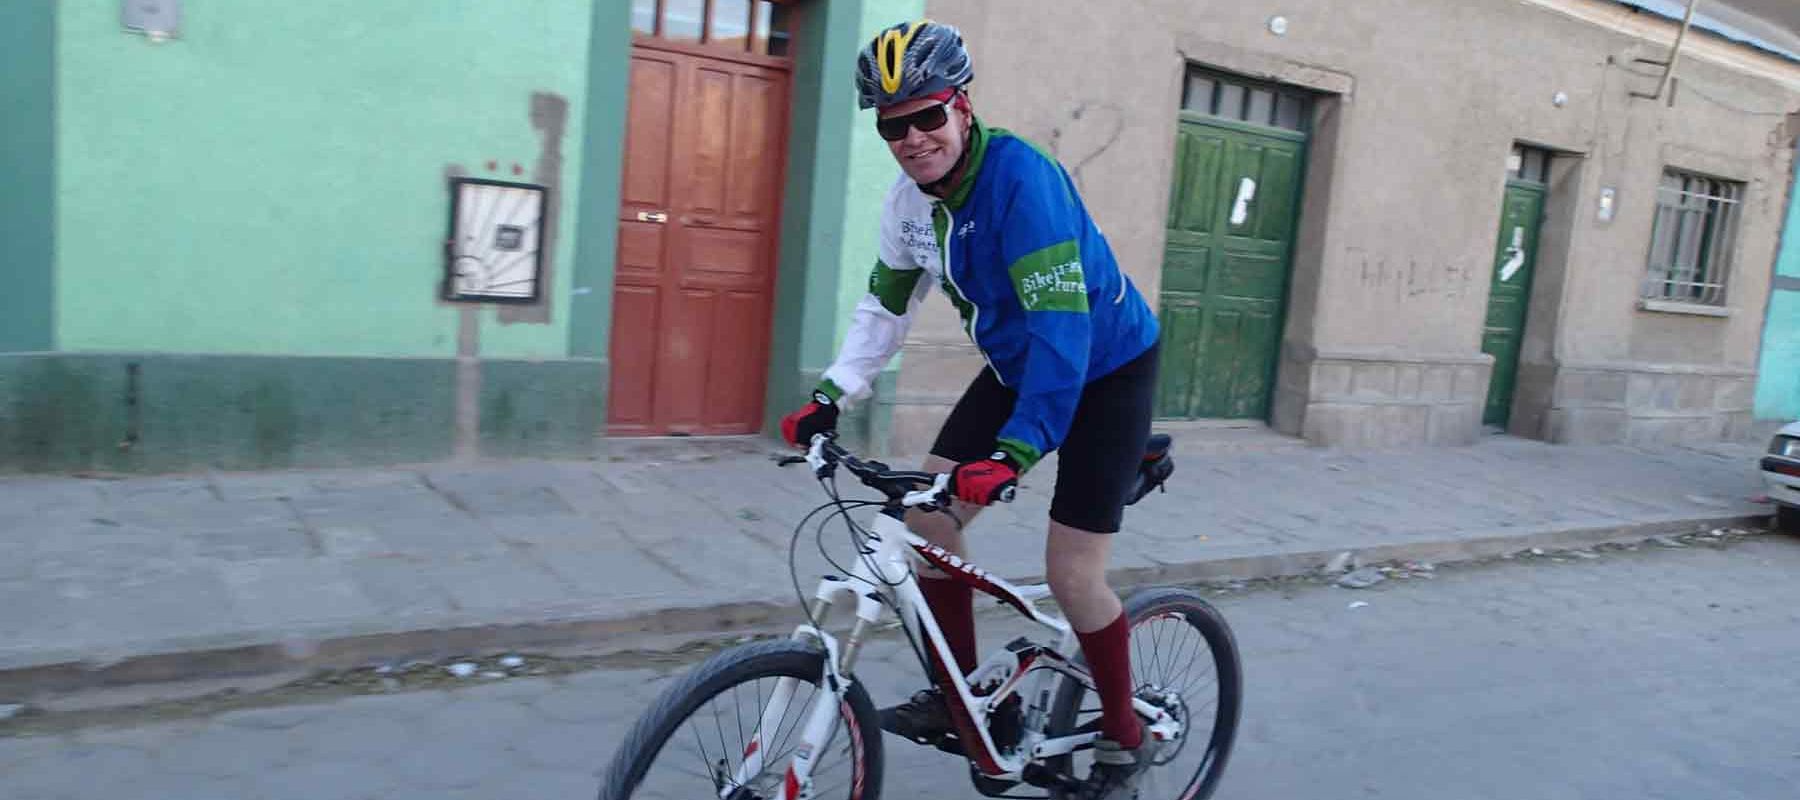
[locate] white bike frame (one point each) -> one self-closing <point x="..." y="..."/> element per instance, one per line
<point x="887" y="572"/>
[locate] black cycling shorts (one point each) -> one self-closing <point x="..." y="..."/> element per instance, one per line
<point x="1099" y="458"/>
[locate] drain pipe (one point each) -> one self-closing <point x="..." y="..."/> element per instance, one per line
<point x="1687" y="21"/>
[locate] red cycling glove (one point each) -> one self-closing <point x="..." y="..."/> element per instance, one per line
<point x="984" y="482"/>
<point x="816" y="417"/>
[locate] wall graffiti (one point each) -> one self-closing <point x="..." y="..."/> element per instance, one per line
<point x="1084" y="134"/>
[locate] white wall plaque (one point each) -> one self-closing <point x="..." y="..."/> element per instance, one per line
<point x="495" y="233"/>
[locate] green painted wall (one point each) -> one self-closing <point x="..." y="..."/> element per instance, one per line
<point x="602" y="168"/>
<point x="1778" y="379"/>
<point x="65" y="412"/>
<point x="27" y="174"/>
<point x="838" y="171"/>
<point x="872" y="169"/>
<point x="538" y="409"/>
<point x="159" y="413"/>
<point x="1778" y="376"/>
<point x="273" y="181"/>
<point x="812" y="217"/>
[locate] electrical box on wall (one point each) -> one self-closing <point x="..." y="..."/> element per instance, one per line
<point x="155" y="18"/>
<point x="493" y="254"/>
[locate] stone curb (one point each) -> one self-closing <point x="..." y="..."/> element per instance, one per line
<point x="200" y="658"/>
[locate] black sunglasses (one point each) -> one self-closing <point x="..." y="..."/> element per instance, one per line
<point x="929" y="118"/>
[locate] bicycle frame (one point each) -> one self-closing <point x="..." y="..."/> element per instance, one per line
<point x="885" y="572"/>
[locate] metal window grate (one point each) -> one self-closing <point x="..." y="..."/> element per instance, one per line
<point x="1692" y="239"/>
<point x="1242" y="100"/>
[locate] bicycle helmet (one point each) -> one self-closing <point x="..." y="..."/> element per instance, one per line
<point x="909" y="61"/>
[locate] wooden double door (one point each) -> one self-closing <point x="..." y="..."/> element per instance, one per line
<point x="698" y="217"/>
<point x="1232" y="213"/>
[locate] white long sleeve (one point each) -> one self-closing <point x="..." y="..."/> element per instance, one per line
<point x="875" y="335"/>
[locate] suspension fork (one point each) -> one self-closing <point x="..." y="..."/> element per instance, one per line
<point x="821" y="723"/>
<point x="822" y="717"/>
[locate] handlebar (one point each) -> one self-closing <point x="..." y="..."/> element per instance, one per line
<point x="907" y="488"/>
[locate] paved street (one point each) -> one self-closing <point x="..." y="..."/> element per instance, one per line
<point x="1655" y="672"/>
<point x="102" y="570"/>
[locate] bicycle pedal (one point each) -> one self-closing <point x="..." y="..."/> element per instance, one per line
<point x="990" y="787"/>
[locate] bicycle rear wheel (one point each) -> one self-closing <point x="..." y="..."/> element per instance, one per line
<point x="1184" y="659"/>
<point x="693" y="740"/>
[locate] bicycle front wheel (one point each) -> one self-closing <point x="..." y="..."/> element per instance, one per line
<point x="696" y="738"/>
<point x="1184" y="660"/>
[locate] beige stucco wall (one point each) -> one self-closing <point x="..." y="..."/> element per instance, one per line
<point x="1420" y="104"/>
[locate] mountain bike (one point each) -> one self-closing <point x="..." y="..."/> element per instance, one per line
<point x="788" y="719"/>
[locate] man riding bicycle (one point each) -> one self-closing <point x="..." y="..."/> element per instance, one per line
<point x="1071" y="358"/>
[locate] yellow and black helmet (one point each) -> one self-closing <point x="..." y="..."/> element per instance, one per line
<point x="909" y="61"/>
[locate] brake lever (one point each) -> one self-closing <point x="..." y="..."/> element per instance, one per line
<point x="822" y="467"/>
<point x="936" y="497"/>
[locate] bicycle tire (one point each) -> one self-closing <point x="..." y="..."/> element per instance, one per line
<point x="1143" y="608"/>
<point x="731" y="668"/>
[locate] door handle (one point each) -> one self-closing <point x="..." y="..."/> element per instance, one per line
<point x="658" y="217"/>
<point x="1246" y="193"/>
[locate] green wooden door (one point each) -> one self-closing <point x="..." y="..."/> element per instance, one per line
<point x="1515" y="256"/>
<point x="1232" y="213"/>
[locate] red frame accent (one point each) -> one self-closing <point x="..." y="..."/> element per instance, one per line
<point x="1024" y="667"/>
<point x="965" y="724"/>
<point x="978" y="578"/>
<point x="975" y="577"/>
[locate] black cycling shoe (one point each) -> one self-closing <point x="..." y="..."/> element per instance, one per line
<point x="1117" y="770"/>
<point x="924" y="719"/>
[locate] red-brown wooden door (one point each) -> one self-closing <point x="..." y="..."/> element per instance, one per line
<point x="697" y="226"/>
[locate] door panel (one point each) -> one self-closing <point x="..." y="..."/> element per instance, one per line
<point x="647" y="133"/>
<point x="1225" y="269"/>
<point x="681" y="361"/>
<point x="1509" y="295"/>
<point x="1186" y="269"/>
<point x="723" y="258"/>
<point x="734" y="388"/>
<point x="1197" y="211"/>
<point x="754" y="126"/>
<point x="1278" y="189"/>
<point x="694" y="286"/>
<point x="711" y="135"/>
<point x="634" y="317"/>
<point x="1182" y="324"/>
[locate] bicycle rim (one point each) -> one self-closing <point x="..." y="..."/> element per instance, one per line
<point x="1184" y="659"/>
<point x="695" y="739"/>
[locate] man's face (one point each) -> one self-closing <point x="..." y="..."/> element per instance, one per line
<point x="926" y="156"/>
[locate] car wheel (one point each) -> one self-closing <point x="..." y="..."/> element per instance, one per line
<point x="1787" y="518"/>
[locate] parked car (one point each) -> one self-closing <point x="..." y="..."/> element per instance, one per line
<point x="1781" y="469"/>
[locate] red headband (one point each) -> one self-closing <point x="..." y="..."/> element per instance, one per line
<point x="943" y="96"/>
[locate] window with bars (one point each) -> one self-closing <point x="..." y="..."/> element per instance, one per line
<point x="762" y="27"/>
<point x="1232" y="98"/>
<point x="1692" y="240"/>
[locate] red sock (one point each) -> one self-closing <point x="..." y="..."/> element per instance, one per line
<point x="953" y="603"/>
<point x="1108" y="652"/>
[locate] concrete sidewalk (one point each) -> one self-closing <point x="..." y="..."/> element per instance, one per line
<point x="141" y="579"/>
